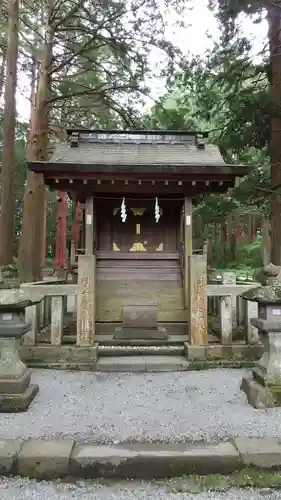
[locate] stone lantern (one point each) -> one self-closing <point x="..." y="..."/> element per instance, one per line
<point x="16" y="393"/>
<point x="263" y="387"/>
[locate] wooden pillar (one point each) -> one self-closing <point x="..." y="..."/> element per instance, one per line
<point x="44" y="233"/>
<point x="57" y="311"/>
<point x="250" y="311"/>
<point x="187" y="247"/>
<point x="32" y="316"/>
<point x="197" y="310"/>
<point x="229" y="278"/>
<point x="61" y="260"/>
<point x="89" y="226"/>
<point x="226" y="319"/>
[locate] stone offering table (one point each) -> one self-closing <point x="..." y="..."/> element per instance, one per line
<point x="16" y="393"/>
<point x="263" y="388"/>
<point x="140" y="322"/>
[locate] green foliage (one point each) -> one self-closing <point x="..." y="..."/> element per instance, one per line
<point x="247" y="256"/>
<point x="227" y="94"/>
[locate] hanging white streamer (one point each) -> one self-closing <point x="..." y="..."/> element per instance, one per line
<point x="157" y="210"/>
<point x="123" y="211"/>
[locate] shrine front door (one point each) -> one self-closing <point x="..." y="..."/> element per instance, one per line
<point x="139" y="233"/>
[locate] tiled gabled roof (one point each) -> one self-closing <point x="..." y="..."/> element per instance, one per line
<point x="137" y="154"/>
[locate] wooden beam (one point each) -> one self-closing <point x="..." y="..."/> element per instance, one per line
<point x="89" y="225"/>
<point x="126" y="187"/>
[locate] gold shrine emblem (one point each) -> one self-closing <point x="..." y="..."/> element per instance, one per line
<point x="138" y="247"/>
<point x="138" y="211"/>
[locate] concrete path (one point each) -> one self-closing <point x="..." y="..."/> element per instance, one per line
<point x="162" y="407"/>
<point x="24" y="489"/>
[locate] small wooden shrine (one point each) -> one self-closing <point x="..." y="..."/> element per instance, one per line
<point x="139" y="275"/>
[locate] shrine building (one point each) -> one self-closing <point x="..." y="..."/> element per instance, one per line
<point x="135" y="261"/>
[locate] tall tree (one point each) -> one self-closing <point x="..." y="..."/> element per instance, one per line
<point x="3" y="47"/>
<point x="31" y="240"/>
<point x="101" y="55"/>
<point x="9" y="125"/>
<point x="274" y="35"/>
<point x="227" y="13"/>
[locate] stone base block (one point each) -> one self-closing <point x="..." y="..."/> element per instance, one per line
<point x="9" y="452"/>
<point x="16" y="385"/>
<point x="65" y="357"/>
<point x="16" y="403"/>
<point x="258" y="395"/>
<point x="219" y="351"/>
<point x="45" y="459"/>
<point x="158" y="333"/>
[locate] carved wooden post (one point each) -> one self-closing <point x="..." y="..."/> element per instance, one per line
<point x="86" y="300"/>
<point x="198" y="332"/>
<point x="86" y="280"/>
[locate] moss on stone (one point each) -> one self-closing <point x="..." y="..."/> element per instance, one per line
<point x="246" y="478"/>
<point x="220" y="363"/>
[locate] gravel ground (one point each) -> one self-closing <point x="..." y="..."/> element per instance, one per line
<point x="24" y="489"/>
<point x="106" y="408"/>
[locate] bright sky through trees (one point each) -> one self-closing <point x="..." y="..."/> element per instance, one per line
<point x="197" y="37"/>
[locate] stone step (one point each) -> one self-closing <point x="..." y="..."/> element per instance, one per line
<point x="105" y="330"/>
<point x="108" y="340"/>
<point x="129" y="364"/>
<point x="139" y="350"/>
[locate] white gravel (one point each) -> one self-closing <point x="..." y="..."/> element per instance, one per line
<point x="25" y="489"/>
<point x="106" y="408"/>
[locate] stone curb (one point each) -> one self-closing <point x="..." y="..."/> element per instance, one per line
<point x="42" y="459"/>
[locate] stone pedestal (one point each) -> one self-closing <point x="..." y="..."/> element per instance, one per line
<point x="16" y="393"/>
<point x="263" y="386"/>
<point x="140" y="322"/>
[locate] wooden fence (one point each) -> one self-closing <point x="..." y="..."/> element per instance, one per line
<point x="223" y="300"/>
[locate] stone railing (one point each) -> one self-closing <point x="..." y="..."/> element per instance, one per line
<point x="58" y="298"/>
<point x="225" y="302"/>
